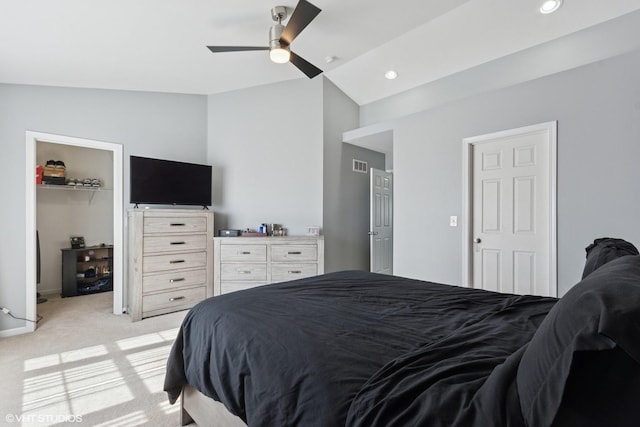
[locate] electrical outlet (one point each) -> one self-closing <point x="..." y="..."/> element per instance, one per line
<point x="453" y="221"/>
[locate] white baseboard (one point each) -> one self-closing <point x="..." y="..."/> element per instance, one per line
<point x="16" y="331"/>
<point x="45" y="292"/>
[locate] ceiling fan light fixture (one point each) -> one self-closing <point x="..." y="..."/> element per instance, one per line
<point x="550" y="6"/>
<point x="279" y="55"/>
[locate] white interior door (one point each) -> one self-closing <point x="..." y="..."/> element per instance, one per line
<point x="513" y="212"/>
<point x="381" y="222"/>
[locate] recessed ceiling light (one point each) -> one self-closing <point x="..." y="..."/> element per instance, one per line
<point x="391" y="74"/>
<point x="550" y="6"/>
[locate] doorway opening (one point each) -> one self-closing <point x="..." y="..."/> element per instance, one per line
<point x="381" y="222"/>
<point x="115" y="150"/>
<point x="378" y="138"/>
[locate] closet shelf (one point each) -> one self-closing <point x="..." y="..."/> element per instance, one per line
<point x="90" y="190"/>
<point x="72" y="187"/>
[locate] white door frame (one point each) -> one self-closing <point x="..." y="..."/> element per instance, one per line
<point x="30" y="194"/>
<point x="467" y="199"/>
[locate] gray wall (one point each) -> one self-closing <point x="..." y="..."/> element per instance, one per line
<point x="151" y="124"/>
<point x="598" y="111"/>
<point x="346" y="193"/>
<point x="265" y="144"/>
<point x="278" y="157"/>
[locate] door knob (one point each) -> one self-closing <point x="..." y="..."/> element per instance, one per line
<point x="477" y="240"/>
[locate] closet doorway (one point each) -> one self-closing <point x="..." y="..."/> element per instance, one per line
<point x="89" y="217"/>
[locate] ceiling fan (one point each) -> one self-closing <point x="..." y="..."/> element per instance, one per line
<point x="280" y="37"/>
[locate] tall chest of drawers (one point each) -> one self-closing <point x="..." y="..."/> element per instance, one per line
<point x="245" y="262"/>
<point x="170" y="260"/>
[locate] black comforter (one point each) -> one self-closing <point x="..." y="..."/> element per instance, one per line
<point x="359" y="349"/>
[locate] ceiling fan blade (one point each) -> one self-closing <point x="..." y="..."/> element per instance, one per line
<point x="216" y="49"/>
<point x="302" y="15"/>
<point x="303" y="65"/>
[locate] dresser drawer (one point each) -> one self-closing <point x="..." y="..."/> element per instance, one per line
<point x="173" y="299"/>
<point x="153" y="224"/>
<point x="226" y="287"/>
<point x="294" y="252"/>
<point x="243" y="272"/>
<point x="173" y="280"/>
<point x="187" y="242"/>
<point x="158" y="263"/>
<point x="284" y="272"/>
<point x="243" y="253"/>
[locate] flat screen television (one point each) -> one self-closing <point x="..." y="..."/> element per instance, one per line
<point x="167" y="182"/>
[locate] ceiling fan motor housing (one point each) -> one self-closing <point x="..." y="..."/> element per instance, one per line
<point x="275" y="32"/>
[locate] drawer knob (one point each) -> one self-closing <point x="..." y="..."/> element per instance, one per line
<point x="178" y="224"/>
<point x="294" y="253"/>
<point x="178" y="243"/>
<point x="176" y="261"/>
<point x="245" y="253"/>
<point x="175" y="299"/>
<point x="244" y="271"/>
<point x="295" y="271"/>
<point x="181" y="279"/>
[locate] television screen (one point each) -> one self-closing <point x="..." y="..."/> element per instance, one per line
<point x="166" y="182"/>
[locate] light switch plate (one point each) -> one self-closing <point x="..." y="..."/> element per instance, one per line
<point x="453" y="221"/>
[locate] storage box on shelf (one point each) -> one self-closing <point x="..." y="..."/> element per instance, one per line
<point x="245" y="262"/>
<point x="87" y="270"/>
<point x="170" y="260"/>
<point x="53" y="180"/>
<point x="51" y="171"/>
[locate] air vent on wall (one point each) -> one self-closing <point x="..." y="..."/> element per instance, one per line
<point x="360" y="166"/>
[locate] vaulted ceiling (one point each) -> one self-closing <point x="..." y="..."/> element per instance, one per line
<point x="160" y="45"/>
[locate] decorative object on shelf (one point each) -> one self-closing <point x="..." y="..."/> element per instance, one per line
<point x="77" y="242"/>
<point x="313" y="230"/>
<point x="84" y="182"/>
<point x="252" y="233"/>
<point x="273" y="229"/>
<point x="54" y="172"/>
<point x="57" y="164"/>
<point x="229" y="233"/>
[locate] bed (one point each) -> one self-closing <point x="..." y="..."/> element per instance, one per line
<point x="360" y="349"/>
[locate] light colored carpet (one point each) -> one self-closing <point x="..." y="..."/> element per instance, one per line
<point x="84" y="363"/>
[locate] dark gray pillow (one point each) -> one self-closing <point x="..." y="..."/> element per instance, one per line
<point x="602" y="312"/>
<point x="603" y="250"/>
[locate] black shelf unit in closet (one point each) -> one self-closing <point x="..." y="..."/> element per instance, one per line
<point x="87" y="270"/>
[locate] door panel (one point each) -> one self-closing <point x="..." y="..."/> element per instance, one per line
<point x="524" y="269"/>
<point x="491" y="269"/>
<point x="491" y="206"/>
<point x="525" y="204"/>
